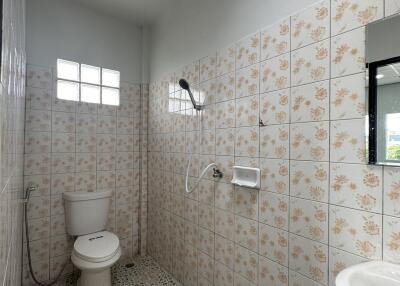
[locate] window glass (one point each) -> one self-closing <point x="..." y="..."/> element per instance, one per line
<point x="67" y="90"/>
<point x="85" y="83"/>
<point x="67" y="70"/>
<point x="90" y="93"/>
<point x="110" y="78"/>
<point x="90" y="74"/>
<point x="110" y="96"/>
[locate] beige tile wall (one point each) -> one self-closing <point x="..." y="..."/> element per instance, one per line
<point x="81" y="147"/>
<point x="12" y="102"/>
<point x="289" y="99"/>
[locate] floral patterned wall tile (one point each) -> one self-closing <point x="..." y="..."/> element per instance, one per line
<point x="205" y="265"/>
<point x="39" y="207"/>
<point x="208" y="142"/>
<point x="40" y="77"/>
<point x="226" y="60"/>
<point x="224" y="223"/>
<point x="275" y="39"/>
<point x="355" y="231"/>
<point x="310" y="64"/>
<point x="275" y="175"/>
<point x="222" y="275"/>
<point x="274" y="141"/>
<point x="348" y="97"/>
<point x="339" y="260"/>
<point x="246" y="202"/>
<point x="310" y="141"/>
<point x="208" y="67"/>
<point x="246" y="263"/>
<point x="246" y="233"/>
<point x="37" y="164"/>
<point x="310" y="25"/>
<point x="309" y="219"/>
<point x="348" y="53"/>
<point x="241" y="281"/>
<point x="38" y="120"/>
<point x="274" y="210"/>
<point x="190" y="72"/>
<point x="309" y="180"/>
<point x="207" y="92"/>
<point x="309" y="258"/>
<point x="296" y="279"/>
<point x="225" y="114"/>
<point x="224" y="196"/>
<point x="247" y="141"/>
<point x="62" y="122"/>
<point x="224" y="251"/>
<point x="391" y="234"/>
<point x="349" y="14"/>
<point x="206" y="192"/>
<point x="206" y="216"/>
<point x="348" y="143"/>
<point x="247" y="81"/>
<point x="310" y="102"/>
<point x="275" y="73"/>
<point x="356" y="186"/>
<point x="226" y="87"/>
<point x="63" y="142"/>
<point x="248" y="50"/>
<point x="274" y="107"/>
<point x="247" y="111"/>
<point x="225" y="141"/>
<point x="271" y="273"/>
<point x="38" y="98"/>
<point x="391" y="191"/>
<point x="273" y="243"/>
<point x="225" y="164"/>
<point x="38" y="142"/>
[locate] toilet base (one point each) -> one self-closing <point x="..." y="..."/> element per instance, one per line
<point x="95" y="278"/>
<point x="95" y="273"/>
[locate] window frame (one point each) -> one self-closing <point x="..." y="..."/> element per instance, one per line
<point x="100" y="85"/>
<point x="373" y="112"/>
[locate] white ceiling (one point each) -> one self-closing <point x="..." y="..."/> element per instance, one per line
<point x="390" y="73"/>
<point x="140" y="12"/>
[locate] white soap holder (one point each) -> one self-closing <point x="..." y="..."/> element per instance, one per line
<point x="246" y="177"/>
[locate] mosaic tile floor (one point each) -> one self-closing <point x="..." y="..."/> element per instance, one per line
<point x="144" y="272"/>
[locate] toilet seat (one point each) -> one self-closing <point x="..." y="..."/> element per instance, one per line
<point x="96" y="247"/>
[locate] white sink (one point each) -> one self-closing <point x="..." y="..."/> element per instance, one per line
<point x="373" y="273"/>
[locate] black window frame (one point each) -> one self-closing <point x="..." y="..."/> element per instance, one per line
<point x="372" y="110"/>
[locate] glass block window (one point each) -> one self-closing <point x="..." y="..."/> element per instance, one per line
<point x="85" y="83"/>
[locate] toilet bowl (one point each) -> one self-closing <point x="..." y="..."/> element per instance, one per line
<point x="94" y="254"/>
<point x="95" y="250"/>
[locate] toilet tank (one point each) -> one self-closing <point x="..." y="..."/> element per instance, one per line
<point x="86" y="212"/>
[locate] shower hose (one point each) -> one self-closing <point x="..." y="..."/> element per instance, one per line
<point x="188" y="191"/>
<point x="28" y="249"/>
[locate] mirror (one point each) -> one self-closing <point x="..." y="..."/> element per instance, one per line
<point x="383" y="58"/>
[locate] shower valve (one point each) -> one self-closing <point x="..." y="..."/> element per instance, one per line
<point x="217" y="173"/>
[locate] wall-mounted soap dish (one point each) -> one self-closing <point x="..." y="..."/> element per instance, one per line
<point x="246" y="177"/>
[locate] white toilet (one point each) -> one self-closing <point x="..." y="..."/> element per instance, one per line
<point x="95" y="250"/>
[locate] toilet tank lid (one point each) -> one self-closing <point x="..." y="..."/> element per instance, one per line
<point x="84" y="196"/>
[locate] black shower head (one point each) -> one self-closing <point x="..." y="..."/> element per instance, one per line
<point x="184" y="84"/>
